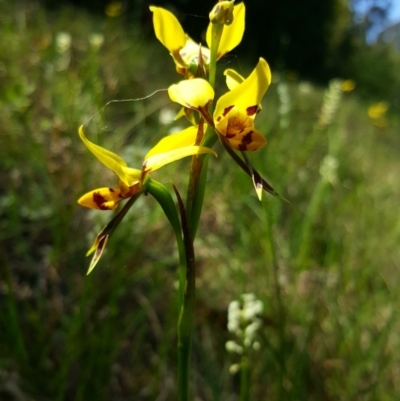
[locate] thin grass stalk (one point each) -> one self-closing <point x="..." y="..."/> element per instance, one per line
<point x="281" y="321"/>
<point x="13" y="323"/>
<point x="244" y="379"/>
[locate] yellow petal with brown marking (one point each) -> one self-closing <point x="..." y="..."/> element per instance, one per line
<point x="101" y="199"/>
<point x="246" y="96"/>
<point x="249" y="140"/>
<point x="115" y="163"/>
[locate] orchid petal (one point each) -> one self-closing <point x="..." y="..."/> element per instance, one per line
<point x="116" y="164"/>
<point x="168" y="30"/>
<point x="193" y="93"/>
<point x="246" y="96"/>
<point x="101" y="199"/>
<point x="232" y="34"/>
<point x="181" y="139"/>
<point x="248" y="140"/>
<point x="190" y="52"/>
<point x="233" y="78"/>
<point x="159" y="160"/>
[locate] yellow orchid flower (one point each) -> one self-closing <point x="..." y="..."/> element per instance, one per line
<point x="183" y="49"/>
<point x="167" y="150"/>
<point x="235" y="111"/>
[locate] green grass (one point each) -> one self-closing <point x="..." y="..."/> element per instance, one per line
<point x="326" y="266"/>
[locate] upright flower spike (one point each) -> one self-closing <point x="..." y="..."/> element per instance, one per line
<point x="131" y="181"/>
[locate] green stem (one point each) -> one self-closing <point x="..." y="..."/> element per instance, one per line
<point x="186" y="279"/>
<point x="197" y="183"/>
<point x="186" y="317"/>
<point x="270" y="246"/>
<point x="216" y="37"/>
<point x="306" y="229"/>
<point x="244" y="379"/>
<point x="189" y="223"/>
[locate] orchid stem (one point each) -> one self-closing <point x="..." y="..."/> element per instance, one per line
<point x="186" y="317"/>
<point x="189" y="222"/>
<point x="216" y="38"/>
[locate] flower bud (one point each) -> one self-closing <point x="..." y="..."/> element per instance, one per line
<point x="222" y="13"/>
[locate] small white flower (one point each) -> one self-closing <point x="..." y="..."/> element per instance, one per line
<point x="96" y="40"/>
<point x="252" y="309"/>
<point x="328" y="168"/>
<point x="63" y="42"/>
<point x="231" y="346"/>
<point x="166" y="116"/>
<point x="251" y="330"/>
<point x="234" y="368"/>
<point x="248" y="297"/>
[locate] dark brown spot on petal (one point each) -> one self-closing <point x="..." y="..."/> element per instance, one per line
<point x="111" y="189"/>
<point x="227" y="110"/>
<point x="219" y="119"/>
<point x="251" y="110"/>
<point x="228" y="135"/>
<point x="246" y="140"/>
<point x="99" y="200"/>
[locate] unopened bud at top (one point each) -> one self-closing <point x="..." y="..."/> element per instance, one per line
<point x="222" y="13"/>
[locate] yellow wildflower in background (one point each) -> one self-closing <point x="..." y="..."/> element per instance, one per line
<point x="114" y="9"/>
<point x="378" y="110"/>
<point x="377" y="113"/>
<point x="348" y="85"/>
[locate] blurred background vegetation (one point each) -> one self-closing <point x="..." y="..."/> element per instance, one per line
<point x="325" y="267"/>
